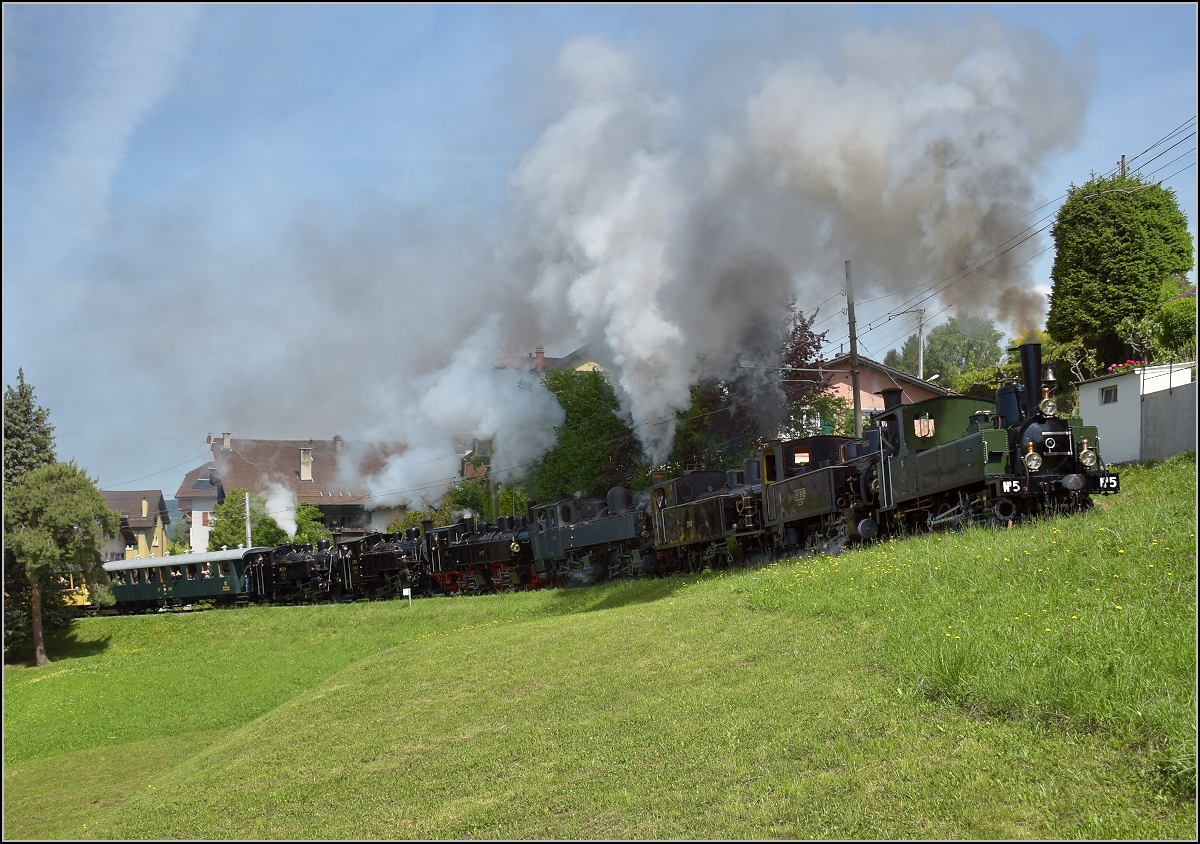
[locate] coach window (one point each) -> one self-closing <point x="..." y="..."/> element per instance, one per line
<point x="1108" y="395"/>
<point x="190" y="571"/>
<point x="151" y="576"/>
<point x="222" y="569"/>
<point x="176" y="573"/>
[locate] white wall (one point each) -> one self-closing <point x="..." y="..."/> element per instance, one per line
<point x="1118" y="424"/>
<point x="198" y="536"/>
<point x="1158" y="378"/>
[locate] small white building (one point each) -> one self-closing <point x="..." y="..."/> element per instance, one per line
<point x="1143" y="413"/>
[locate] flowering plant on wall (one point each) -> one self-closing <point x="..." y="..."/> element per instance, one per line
<point x="1121" y="367"/>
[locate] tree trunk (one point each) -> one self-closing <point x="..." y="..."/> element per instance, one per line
<point x="35" y="618"/>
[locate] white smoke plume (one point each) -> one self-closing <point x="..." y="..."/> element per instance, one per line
<point x="663" y="222"/>
<point x="911" y="154"/>
<point x="281" y="506"/>
<point x="470" y="394"/>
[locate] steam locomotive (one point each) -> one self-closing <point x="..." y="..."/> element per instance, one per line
<point x="944" y="462"/>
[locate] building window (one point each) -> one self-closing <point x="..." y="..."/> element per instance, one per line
<point x="1108" y="395"/>
<point x="204" y="518"/>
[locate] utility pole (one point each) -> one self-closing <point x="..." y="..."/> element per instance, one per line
<point x="249" y="544"/>
<point x="853" y="354"/>
<point x="1122" y="166"/>
<point x="921" y="343"/>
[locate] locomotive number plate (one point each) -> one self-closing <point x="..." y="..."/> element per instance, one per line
<point x="1110" y="483"/>
<point x="1010" y="486"/>
<point x="799" y="495"/>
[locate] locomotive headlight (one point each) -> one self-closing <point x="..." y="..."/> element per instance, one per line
<point x="1087" y="457"/>
<point x="1032" y="460"/>
<point x="1048" y="407"/>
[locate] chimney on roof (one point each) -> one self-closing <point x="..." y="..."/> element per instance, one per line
<point x="306" y="464"/>
<point x="541" y="358"/>
<point x="145" y="508"/>
<point x="225" y="446"/>
<point x="337" y="443"/>
<point x="208" y="440"/>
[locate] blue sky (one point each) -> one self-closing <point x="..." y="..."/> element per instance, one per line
<point x="302" y="220"/>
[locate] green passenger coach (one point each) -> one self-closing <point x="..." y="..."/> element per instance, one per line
<point x="156" y="582"/>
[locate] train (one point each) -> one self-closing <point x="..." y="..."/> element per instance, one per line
<point x="938" y="464"/>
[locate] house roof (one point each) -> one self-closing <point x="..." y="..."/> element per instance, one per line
<point x="129" y="504"/>
<point x="254" y="464"/>
<point x="897" y="375"/>
<point x="583" y="355"/>
<point x="196" y="484"/>
<point x="1152" y="370"/>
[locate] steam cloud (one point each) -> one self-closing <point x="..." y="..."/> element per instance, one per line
<point x="910" y="155"/>
<point x="281" y="506"/>
<point x="666" y="227"/>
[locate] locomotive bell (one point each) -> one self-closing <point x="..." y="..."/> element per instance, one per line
<point x="1050" y="375"/>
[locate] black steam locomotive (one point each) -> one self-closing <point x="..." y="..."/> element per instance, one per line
<point x="945" y="462"/>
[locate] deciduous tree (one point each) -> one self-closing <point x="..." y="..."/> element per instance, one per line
<point x="310" y="525"/>
<point x="229" y="523"/>
<point x="959" y="345"/>
<point x="596" y="449"/>
<point x="54" y="517"/>
<point x="1118" y="240"/>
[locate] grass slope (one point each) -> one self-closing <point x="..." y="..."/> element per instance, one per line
<point x="1031" y="683"/>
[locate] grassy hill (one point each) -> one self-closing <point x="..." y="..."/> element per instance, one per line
<point x="1037" y="682"/>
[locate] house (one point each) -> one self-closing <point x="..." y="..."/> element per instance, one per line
<point x="325" y="473"/>
<point x="197" y="496"/>
<point x="143" y="530"/>
<point x="474" y="462"/>
<point x="873" y="378"/>
<point x="1142" y="412"/>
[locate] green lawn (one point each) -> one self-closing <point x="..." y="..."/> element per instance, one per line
<point x="1031" y="683"/>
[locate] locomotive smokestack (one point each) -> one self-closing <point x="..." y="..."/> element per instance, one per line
<point x="1031" y="375"/>
<point x="891" y="397"/>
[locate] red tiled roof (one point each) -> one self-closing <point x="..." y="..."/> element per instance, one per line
<point x="196" y="485"/>
<point x="253" y="464"/>
<point x="129" y="504"/>
<point x="842" y="363"/>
